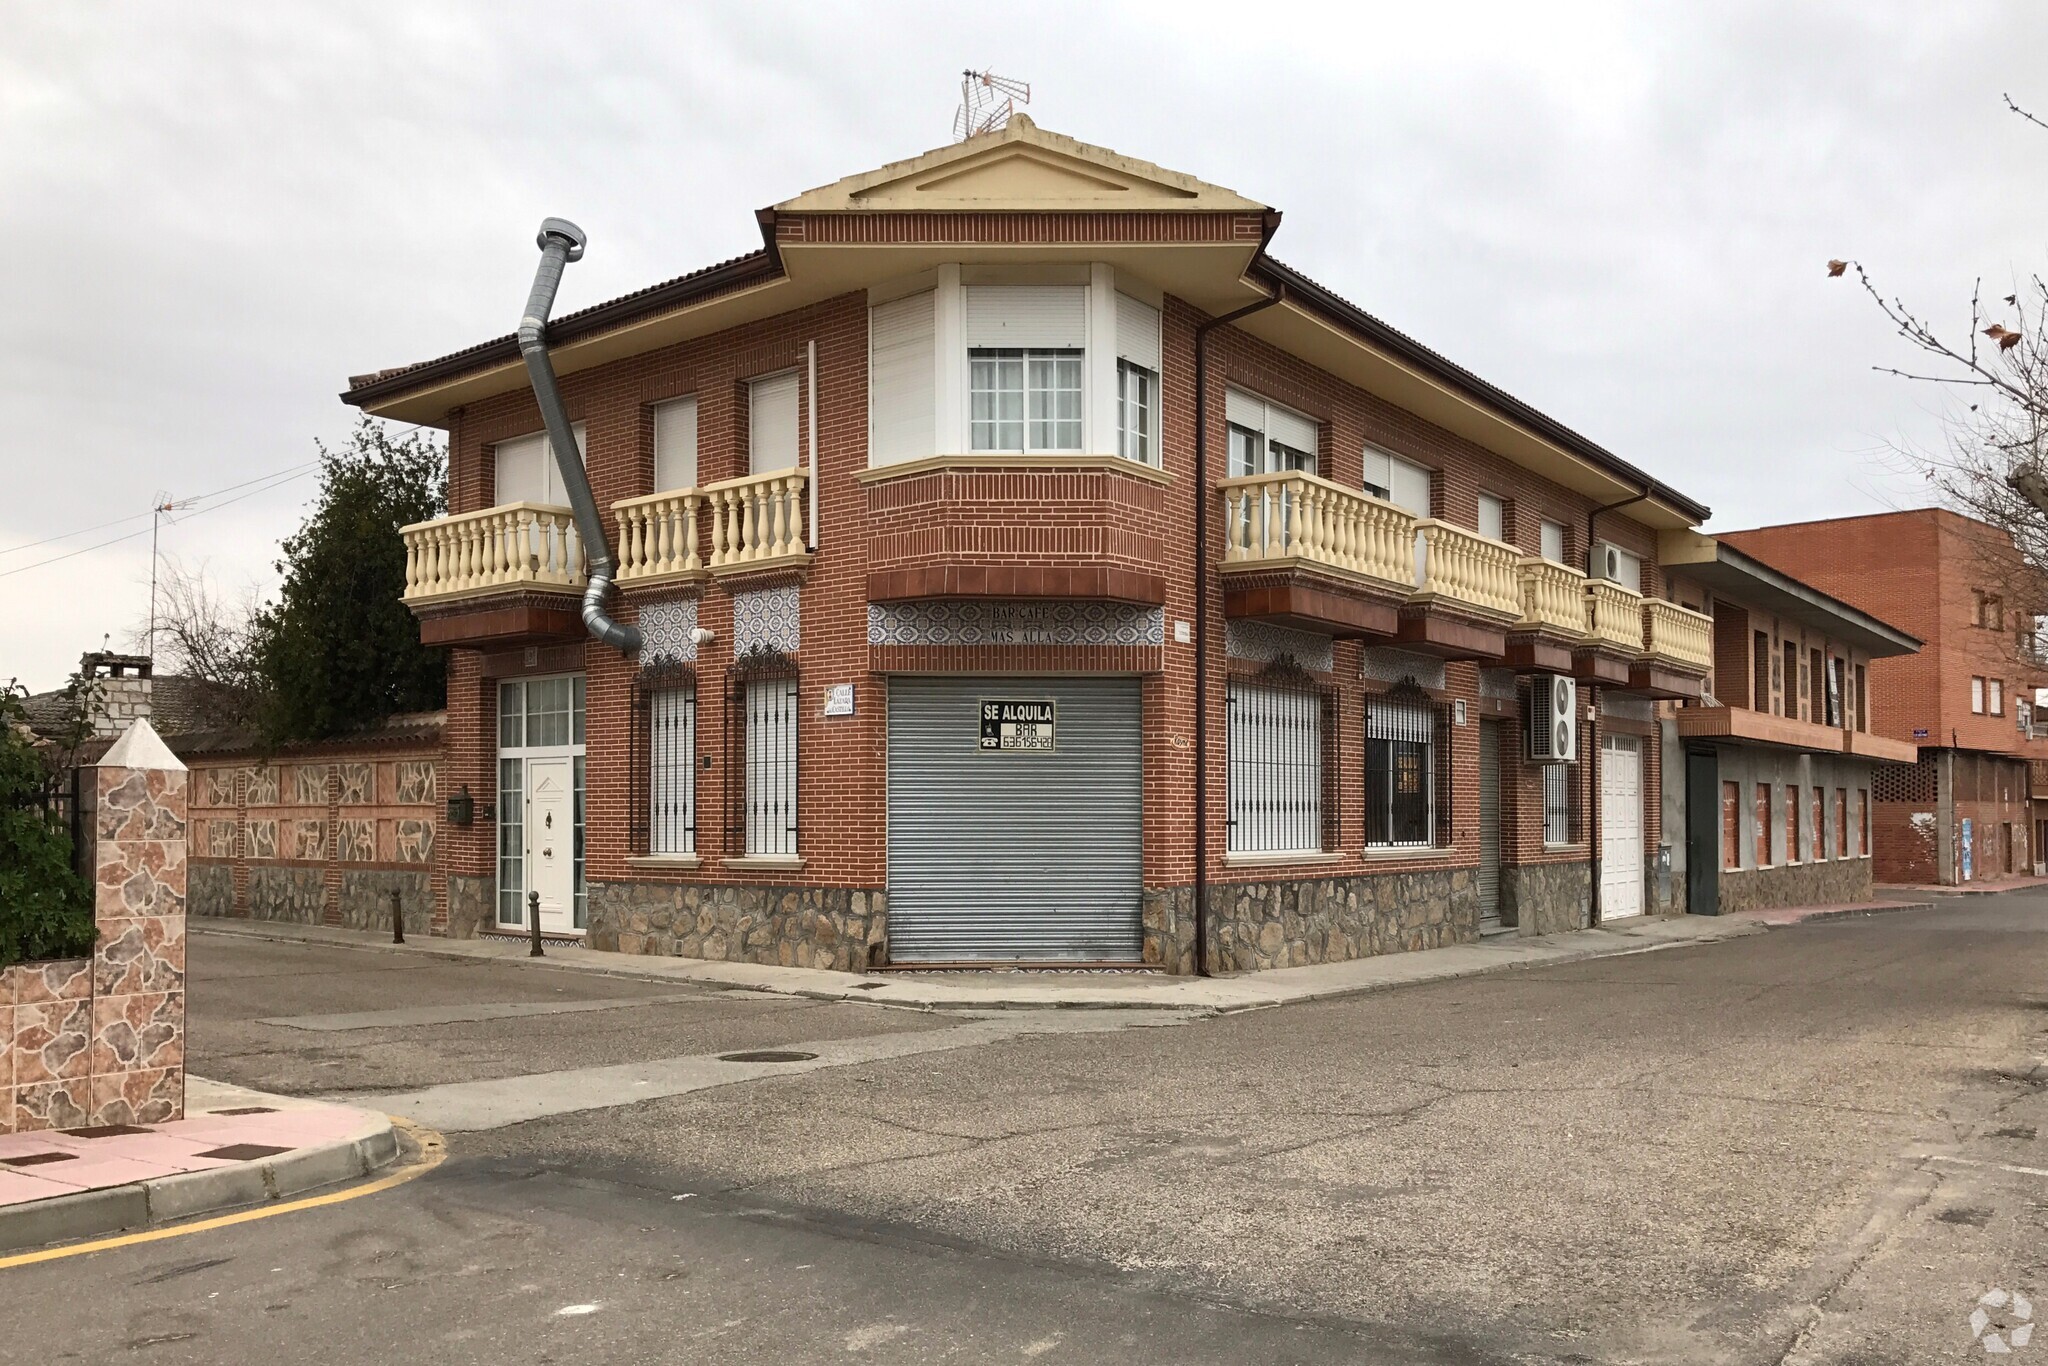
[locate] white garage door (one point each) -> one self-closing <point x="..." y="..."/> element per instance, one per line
<point x="1621" y="827"/>
<point x="1015" y="836"/>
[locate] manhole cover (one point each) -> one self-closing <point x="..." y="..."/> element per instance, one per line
<point x="36" y="1159"/>
<point x="767" y="1055"/>
<point x="107" y="1131"/>
<point x="244" y="1152"/>
<point x="247" y="1110"/>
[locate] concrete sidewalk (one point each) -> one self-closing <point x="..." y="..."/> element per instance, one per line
<point x="1922" y="890"/>
<point x="234" y="1147"/>
<point x="1042" y="990"/>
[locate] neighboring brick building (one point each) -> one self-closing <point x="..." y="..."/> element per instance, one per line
<point x="905" y="507"/>
<point x="1965" y="810"/>
<point x="1773" y="770"/>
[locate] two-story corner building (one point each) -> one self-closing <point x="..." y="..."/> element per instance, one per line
<point x="1970" y="807"/>
<point x="1772" y="770"/>
<point x="1032" y="568"/>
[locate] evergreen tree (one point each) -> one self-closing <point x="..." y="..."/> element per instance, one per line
<point x="338" y="649"/>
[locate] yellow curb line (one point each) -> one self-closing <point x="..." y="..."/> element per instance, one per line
<point x="433" y="1149"/>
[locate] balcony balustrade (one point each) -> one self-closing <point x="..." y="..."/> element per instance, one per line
<point x="757" y="522"/>
<point x="658" y="538"/>
<point x="509" y="547"/>
<point x="1553" y="598"/>
<point x="1293" y="517"/>
<point x="1467" y="570"/>
<point x="1678" y="636"/>
<point x="1614" y="618"/>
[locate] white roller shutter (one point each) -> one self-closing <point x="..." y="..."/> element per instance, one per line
<point x="1137" y="333"/>
<point x="675" y="445"/>
<point x="901" y="379"/>
<point x="525" y="469"/>
<point x="1001" y="856"/>
<point x="1045" y="316"/>
<point x="1283" y="425"/>
<point x="771" y="417"/>
<point x="1410" y="485"/>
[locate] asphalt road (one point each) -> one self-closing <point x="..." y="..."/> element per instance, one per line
<point x="1824" y="1144"/>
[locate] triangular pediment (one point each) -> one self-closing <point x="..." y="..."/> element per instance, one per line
<point x="1020" y="167"/>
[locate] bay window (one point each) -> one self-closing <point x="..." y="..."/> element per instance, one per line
<point x="1028" y="401"/>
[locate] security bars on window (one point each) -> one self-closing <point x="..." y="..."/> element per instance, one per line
<point x="665" y="760"/>
<point x="1401" y="774"/>
<point x="761" y="732"/>
<point x="1275" y="769"/>
<point x="1557" y="804"/>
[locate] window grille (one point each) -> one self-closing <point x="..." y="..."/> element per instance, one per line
<point x="1276" y="756"/>
<point x="664" y="760"/>
<point x="1405" y="774"/>
<point x="1557" y="804"/>
<point x="763" y="712"/>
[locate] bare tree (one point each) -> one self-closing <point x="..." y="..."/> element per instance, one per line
<point x="1995" y="463"/>
<point x="203" y="635"/>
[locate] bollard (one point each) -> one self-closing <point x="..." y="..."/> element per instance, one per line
<point x="533" y="923"/>
<point x="397" y="919"/>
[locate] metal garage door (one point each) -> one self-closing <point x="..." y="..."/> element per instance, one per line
<point x="1621" y="827"/>
<point x="1002" y="854"/>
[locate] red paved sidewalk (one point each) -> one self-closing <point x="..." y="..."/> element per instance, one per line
<point x="231" y="1142"/>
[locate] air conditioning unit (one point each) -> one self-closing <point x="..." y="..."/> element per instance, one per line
<point x="1608" y="561"/>
<point x="1553" y="720"/>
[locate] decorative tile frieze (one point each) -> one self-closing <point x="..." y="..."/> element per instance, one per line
<point x="665" y="631"/>
<point x="766" y="619"/>
<point x="1395" y="666"/>
<point x="965" y="622"/>
<point x="1264" y="642"/>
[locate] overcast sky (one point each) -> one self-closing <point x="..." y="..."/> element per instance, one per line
<point x="215" y="213"/>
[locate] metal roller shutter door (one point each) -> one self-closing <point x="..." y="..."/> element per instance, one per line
<point x="1009" y="856"/>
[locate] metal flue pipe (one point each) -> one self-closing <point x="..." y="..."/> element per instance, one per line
<point x="560" y="243"/>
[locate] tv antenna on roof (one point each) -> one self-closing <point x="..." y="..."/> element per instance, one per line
<point x="986" y="103"/>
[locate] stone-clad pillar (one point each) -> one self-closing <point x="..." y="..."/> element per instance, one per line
<point x="138" y="1045"/>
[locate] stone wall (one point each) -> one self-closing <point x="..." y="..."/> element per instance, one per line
<point x="211" y="889"/>
<point x="319" y="834"/>
<point x="1832" y="883"/>
<point x="1546" y="898"/>
<point x="469" y="906"/>
<point x="366" y="898"/>
<point x="101" y="1040"/>
<point x="806" y="927"/>
<point x="1257" y="925"/>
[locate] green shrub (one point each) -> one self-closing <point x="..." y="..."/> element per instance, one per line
<point x="46" y="909"/>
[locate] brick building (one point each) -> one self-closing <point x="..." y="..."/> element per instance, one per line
<point x="1772" y="770"/>
<point x="1965" y="810"/>
<point x="935" y="664"/>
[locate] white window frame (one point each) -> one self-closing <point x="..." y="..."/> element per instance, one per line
<point x="672" y="770"/>
<point x="1031" y="365"/>
<point x="1997" y="696"/>
<point x="1976" y="696"/>
<point x="771" y="755"/>
<point x="1274" y="762"/>
<point x="1139" y="442"/>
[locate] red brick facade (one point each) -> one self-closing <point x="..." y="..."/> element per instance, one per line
<point x="1960" y="587"/>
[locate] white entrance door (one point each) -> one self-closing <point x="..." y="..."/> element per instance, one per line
<point x="551" y="841"/>
<point x="1621" y="827"/>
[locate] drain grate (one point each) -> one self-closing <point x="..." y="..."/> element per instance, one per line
<point x="244" y="1152"/>
<point x="36" y="1159"/>
<point x="767" y="1055"/>
<point x="247" y="1110"/>
<point x="106" y="1131"/>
